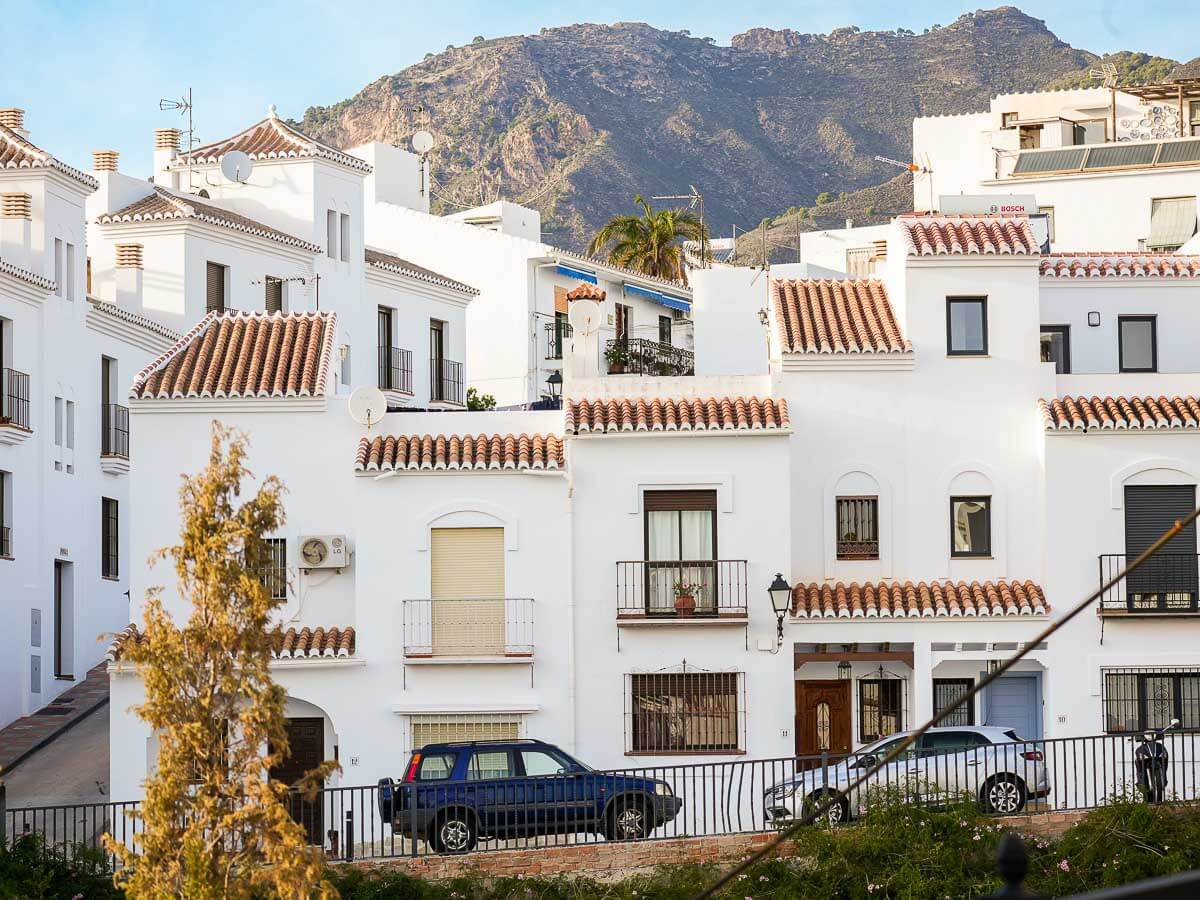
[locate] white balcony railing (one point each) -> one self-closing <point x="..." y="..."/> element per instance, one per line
<point x="469" y="628"/>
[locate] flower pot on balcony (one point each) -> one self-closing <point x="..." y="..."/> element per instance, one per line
<point x="685" y="605"/>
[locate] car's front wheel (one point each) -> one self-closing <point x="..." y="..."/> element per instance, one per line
<point x="628" y="820"/>
<point x="1003" y="794"/>
<point x="838" y="812"/>
<point x="454" y="832"/>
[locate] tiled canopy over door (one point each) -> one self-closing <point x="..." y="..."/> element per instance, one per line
<point x="468" y="591"/>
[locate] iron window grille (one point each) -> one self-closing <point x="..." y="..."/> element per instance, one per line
<point x="970" y="526"/>
<point x="114" y="430"/>
<point x="681" y="712"/>
<point x="6" y="548"/>
<point x="1143" y="698"/>
<point x="858" y="528"/>
<point x="274" y="575"/>
<point x="947" y="692"/>
<point x="880" y="707"/>
<point x="110" y="553"/>
<point x="14" y="398"/>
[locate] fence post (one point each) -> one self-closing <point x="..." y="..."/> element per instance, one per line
<point x="412" y="821"/>
<point x="3" y="816"/>
<point x="348" y="837"/>
<point x="1012" y="862"/>
<point x="825" y="769"/>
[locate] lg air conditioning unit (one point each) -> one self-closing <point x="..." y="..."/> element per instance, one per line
<point x="323" y="551"/>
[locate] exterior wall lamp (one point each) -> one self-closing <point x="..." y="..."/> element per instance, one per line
<point x="781" y="599"/>
<point x="1094" y="318"/>
<point x="843" y="670"/>
<point x="554" y="383"/>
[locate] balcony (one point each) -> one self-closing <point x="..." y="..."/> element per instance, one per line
<point x="476" y="630"/>
<point x="6" y="551"/>
<point x="640" y="356"/>
<point x="114" y="438"/>
<point x="445" y="381"/>
<point x="652" y="592"/>
<point x="395" y="370"/>
<point x="557" y="334"/>
<point x="14" y="406"/>
<point x="1165" y="584"/>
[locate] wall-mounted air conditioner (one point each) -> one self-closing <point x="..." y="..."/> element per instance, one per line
<point x="323" y="551"/>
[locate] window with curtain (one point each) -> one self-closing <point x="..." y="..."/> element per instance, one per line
<point x="681" y="549"/>
<point x="970" y="526"/>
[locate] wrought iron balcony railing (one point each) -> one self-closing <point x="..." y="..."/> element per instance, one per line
<point x="1165" y="583"/>
<point x="395" y="369"/>
<point x="681" y="589"/>
<point x="5" y="541"/>
<point x="445" y="381"/>
<point x="14" y="398"/>
<point x="557" y="334"/>
<point x="640" y="356"/>
<point x="114" y="430"/>
<point x="469" y="628"/>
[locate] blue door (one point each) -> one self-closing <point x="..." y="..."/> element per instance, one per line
<point x="1014" y="701"/>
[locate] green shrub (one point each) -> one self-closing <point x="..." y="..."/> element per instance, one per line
<point x="30" y="872"/>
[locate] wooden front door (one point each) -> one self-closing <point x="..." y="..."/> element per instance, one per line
<point x="822" y="719"/>
<point x="306" y="737"/>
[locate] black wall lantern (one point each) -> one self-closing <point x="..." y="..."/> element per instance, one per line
<point x="781" y="601"/>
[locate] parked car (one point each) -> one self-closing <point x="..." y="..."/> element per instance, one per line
<point x="994" y="765"/>
<point x="454" y="795"/>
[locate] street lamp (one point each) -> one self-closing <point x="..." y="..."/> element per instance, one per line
<point x="554" y="382"/>
<point x="781" y="600"/>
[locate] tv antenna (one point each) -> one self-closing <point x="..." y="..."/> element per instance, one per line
<point x="422" y="143"/>
<point x="697" y="200"/>
<point x="1107" y="74"/>
<point x="184" y="105"/>
<point x="915" y="168"/>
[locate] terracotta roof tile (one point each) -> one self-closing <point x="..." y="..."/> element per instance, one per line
<point x="938" y="599"/>
<point x="162" y="205"/>
<point x="943" y="235"/>
<point x="586" y="291"/>
<point x="244" y="355"/>
<point x="624" y="415"/>
<point x="111" y="309"/>
<point x="824" y="316"/>
<point x="1120" y="265"/>
<point x="18" y="153"/>
<point x="271" y="138"/>
<point x="389" y="263"/>
<point x="1118" y="413"/>
<point x="294" y="643"/>
<point x="460" y="453"/>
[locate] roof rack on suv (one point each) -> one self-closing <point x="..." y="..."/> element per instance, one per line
<point x="495" y="741"/>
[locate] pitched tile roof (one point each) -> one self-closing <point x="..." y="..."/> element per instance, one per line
<point x="38" y="281"/>
<point x="586" y="291"/>
<point x="162" y="205"/>
<point x="682" y="415"/>
<point x="244" y="355"/>
<point x="389" y="263"/>
<point x="459" y="453"/>
<point x="938" y="599"/>
<point x="111" y="309"/>
<point x="943" y="235"/>
<point x="294" y="643"/>
<point x="825" y="316"/>
<point x="1118" y="413"/>
<point x="271" y="138"/>
<point x="1117" y="264"/>
<point x="18" y="153"/>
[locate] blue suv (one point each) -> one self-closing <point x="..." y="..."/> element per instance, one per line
<point x="456" y="794"/>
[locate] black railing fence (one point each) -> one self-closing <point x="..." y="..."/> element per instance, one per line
<point x="1165" y="583"/>
<point x="14" y="397"/>
<point x="395" y="369"/>
<point x="641" y="356"/>
<point x="446" y="381"/>
<point x="114" y="430"/>
<point x="557" y="334"/>
<point x="67" y="829"/>
<point x="684" y="800"/>
<point x="682" y="588"/>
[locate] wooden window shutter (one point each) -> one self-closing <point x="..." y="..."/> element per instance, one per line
<point x="215" y="288"/>
<point x="467" y="587"/>
<point x="560" y="299"/>
<point x="274" y="294"/>
<point x="670" y="500"/>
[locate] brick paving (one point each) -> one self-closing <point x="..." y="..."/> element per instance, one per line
<point x="28" y="734"/>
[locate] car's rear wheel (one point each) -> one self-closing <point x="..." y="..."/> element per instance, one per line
<point x="454" y="832"/>
<point x="838" y="812"/>
<point x="1003" y="794"/>
<point x="628" y="820"/>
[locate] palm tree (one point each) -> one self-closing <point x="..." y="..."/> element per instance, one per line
<point x="649" y="243"/>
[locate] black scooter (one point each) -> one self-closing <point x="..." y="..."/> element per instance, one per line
<point x="1150" y="763"/>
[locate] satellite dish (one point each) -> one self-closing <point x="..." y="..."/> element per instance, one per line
<point x="236" y="166"/>
<point x="422" y="142"/>
<point x="367" y="405"/>
<point x="584" y="316"/>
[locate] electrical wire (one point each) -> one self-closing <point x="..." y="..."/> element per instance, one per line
<point x="833" y="797"/>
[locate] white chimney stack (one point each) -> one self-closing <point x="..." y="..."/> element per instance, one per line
<point x="104" y="160"/>
<point x="16" y="223"/>
<point x="11" y="117"/>
<point x="166" y="148"/>
<point x="129" y="276"/>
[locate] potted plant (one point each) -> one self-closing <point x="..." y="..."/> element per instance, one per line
<point x="685" y="598"/>
<point x="617" y="357"/>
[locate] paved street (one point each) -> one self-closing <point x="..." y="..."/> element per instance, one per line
<point x="67" y="769"/>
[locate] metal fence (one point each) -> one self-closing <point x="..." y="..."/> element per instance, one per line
<point x="446" y="381"/>
<point x="682" y="588"/>
<point x="114" y="430"/>
<point x="67" y="829"/>
<point x="557" y="333"/>
<point x="468" y="627"/>
<point x="1165" y="583"/>
<point x="641" y="356"/>
<point x="395" y="369"/>
<point x="14" y="397"/>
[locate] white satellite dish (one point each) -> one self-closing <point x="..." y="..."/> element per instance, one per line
<point x="584" y="316"/>
<point x="367" y="405"/>
<point x="422" y="142"/>
<point x="236" y="166"/>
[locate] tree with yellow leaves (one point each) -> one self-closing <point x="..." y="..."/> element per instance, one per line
<point x="213" y="825"/>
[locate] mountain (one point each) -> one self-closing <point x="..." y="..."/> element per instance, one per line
<point x="577" y="120"/>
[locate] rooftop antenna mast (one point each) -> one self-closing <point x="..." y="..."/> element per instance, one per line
<point x="696" y="200"/>
<point x="915" y="168"/>
<point x="1108" y="76"/>
<point x="184" y="105"/>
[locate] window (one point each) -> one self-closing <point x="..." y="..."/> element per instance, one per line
<point x="64" y="435"/>
<point x="436" y="767"/>
<point x="440" y="387"/>
<point x="858" y="261"/>
<point x="69" y="272"/>
<point x="215" y="277"/>
<point x="1172" y="222"/>
<point x="946" y="692"/>
<point x="1090" y="131"/>
<point x="273" y="288"/>
<point x="1138" y="343"/>
<point x="680" y="527"/>
<point x="1141" y="699"/>
<point x="939" y="743"/>
<point x="1008" y="119"/>
<point x="858" y="528"/>
<point x="344" y="237"/>
<point x="467" y="614"/>
<point x="109" y="539"/>
<point x="562" y="330"/>
<point x="1030" y="136"/>
<point x="966" y="326"/>
<point x="970" y="526"/>
<point x="6" y="546"/>
<point x="1194" y="118"/>
<point x="488" y="764"/>
<point x="59" y="267"/>
<point x="443" y="729"/>
<point x="1056" y="347"/>
<point x="684" y="712"/>
<point x="274" y="575"/>
<point x="331" y="233"/>
<point x="384" y="330"/>
<point x="664" y="329"/>
<point x="539" y="762"/>
<point x="880" y="710"/>
<point x="624" y="318"/>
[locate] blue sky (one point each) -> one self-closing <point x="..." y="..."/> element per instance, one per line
<point x="90" y="74"/>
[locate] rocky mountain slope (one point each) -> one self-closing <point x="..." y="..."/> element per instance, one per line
<point x="576" y="120"/>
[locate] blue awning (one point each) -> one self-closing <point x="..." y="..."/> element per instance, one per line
<point x="658" y="297"/>
<point x="576" y="273"/>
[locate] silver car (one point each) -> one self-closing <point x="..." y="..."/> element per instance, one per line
<point x="992" y="765"/>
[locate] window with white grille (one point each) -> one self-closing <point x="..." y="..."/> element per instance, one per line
<point x="444" y="728"/>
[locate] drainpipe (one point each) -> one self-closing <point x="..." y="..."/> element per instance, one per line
<point x="571" y="692"/>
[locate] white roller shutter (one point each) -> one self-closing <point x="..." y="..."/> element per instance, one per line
<point x="467" y="586"/>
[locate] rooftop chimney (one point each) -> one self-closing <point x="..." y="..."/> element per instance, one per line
<point x="16" y="214"/>
<point x="129" y="276"/>
<point x="104" y="160"/>
<point x="166" y="148"/>
<point x="11" y="117"/>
